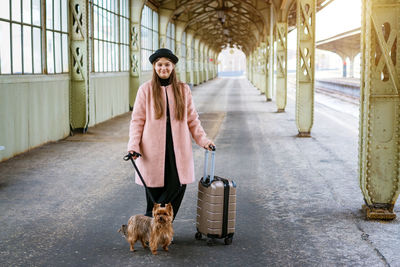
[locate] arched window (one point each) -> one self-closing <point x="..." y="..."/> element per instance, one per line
<point x="149" y="36"/>
<point x="110" y="50"/>
<point x="171" y="37"/>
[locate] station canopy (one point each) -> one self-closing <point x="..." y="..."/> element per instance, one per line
<point x="235" y="23"/>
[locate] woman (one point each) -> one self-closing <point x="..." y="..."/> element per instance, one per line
<point x="163" y="119"/>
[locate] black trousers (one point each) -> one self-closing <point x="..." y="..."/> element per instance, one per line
<point x="173" y="191"/>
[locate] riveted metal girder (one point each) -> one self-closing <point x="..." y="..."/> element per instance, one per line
<point x="305" y="66"/>
<point x="134" y="49"/>
<point x="281" y="72"/>
<point x="79" y="93"/>
<point x="379" y="142"/>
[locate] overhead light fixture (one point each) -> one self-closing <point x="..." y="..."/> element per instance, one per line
<point x="221" y="15"/>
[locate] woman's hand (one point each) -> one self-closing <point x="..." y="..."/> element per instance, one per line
<point x="209" y="145"/>
<point x="135" y="155"/>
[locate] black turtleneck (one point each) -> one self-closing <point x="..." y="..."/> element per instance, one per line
<point x="164" y="82"/>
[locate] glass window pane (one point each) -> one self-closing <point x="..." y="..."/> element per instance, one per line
<point x="128" y="60"/>
<point x="5" y="60"/>
<point x="123" y="29"/>
<point x="111" y="27"/>
<point x="116" y="28"/>
<point x="49" y="14"/>
<point x="27" y="31"/>
<point x="96" y="56"/>
<point x="109" y="57"/>
<point x="57" y="15"/>
<point x="155" y="41"/>
<point x="100" y="23"/>
<point x="100" y="56"/>
<point x="37" y="50"/>
<point x="36" y="12"/>
<point x="155" y="21"/>
<point x="16" y="10"/>
<point x="57" y="52"/>
<point x="26" y="11"/>
<point x="95" y="22"/>
<point x="117" y="57"/>
<point x="16" y="47"/>
<point x="5" y="10"/>
<point x="50" y="51"/>
<point x="64" y="10"/>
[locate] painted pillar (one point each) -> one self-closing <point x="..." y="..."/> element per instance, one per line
<point x="271" y="54"/>
<point x="189" y="58"/>
<point x="251" y="67"/>
<point x="181" y="69"/>
<point x="267" y="67"/>
<point x="352" y="67"/>
<point x="205" y="63"/>
<point x="201" y="62"/>
<point x="196" y="78"/>
<point x="379" y="141"/>
<point x="281" y="65"/>
<point x="79" y="93"/>
<point x="134" y="50"/>
<point x="305" y="66"/>
<point x="263" y="68"/>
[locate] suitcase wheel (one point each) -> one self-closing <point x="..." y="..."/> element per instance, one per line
<point x="198" y="236"/>
<point x="228" y="240"/>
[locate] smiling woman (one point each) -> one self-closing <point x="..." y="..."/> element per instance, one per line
<point x="163" y="121"/>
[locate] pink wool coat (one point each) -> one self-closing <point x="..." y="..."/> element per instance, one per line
<point x="147" y="136"/>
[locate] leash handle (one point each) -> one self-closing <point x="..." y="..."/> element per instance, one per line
<point x="130" y="157"/>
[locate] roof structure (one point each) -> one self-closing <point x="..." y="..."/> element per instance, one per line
<point x="222" y="23"/>
<point x="346" y="44"/>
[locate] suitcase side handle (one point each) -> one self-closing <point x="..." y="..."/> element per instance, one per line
<point x="212" y="165"/>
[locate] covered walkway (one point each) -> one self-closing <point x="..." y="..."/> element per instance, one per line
<point x="298" y="198"/>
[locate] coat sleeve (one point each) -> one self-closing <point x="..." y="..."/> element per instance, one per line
<point x="197" y="131"/>
<point x="137" y="121"/>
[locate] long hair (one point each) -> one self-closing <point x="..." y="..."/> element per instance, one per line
<point x="179" y="97"/>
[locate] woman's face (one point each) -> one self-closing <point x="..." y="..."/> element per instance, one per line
<point x="164" y="68"/>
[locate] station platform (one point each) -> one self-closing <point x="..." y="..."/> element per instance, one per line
<point x="298" y="199"/>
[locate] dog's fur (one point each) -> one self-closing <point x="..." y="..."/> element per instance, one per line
<point x="157" y="230"/>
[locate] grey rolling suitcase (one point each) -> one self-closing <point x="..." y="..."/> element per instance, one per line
<point x="216" y="205"/>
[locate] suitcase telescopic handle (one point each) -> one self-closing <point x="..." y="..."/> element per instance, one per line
<point x="212" y="164"/>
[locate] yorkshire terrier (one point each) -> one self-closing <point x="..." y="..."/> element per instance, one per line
<point x="157" y="230"/>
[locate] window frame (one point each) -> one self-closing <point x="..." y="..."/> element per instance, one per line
<point x="115" y="55"/>
<point x="37" y="67"/>
<point x="145" y="50"/>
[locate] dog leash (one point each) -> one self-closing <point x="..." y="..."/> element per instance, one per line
<point x="130" y="157"/>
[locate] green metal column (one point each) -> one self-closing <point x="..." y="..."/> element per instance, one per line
<point x="271" y="56"/>
<point x="281" y="65"/>
<point x="189" y="60"/>
<point x="268" y="68"/>
<point x="79" y="94"/>
<point x="379" y="142"/>
<point x="134" y="67"/>
<point x="201" y="62"/>
<point x="253" y="68"/>
<point x="196" y="62"/>
<point x="263" y="67"/>
<point x="134" y="50"/>
<point x="305" y="66"/>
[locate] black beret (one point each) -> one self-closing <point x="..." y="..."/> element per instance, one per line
<point x="163" y="52"/>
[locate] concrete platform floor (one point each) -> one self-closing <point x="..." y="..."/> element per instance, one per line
<point x="298" y="203"/>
